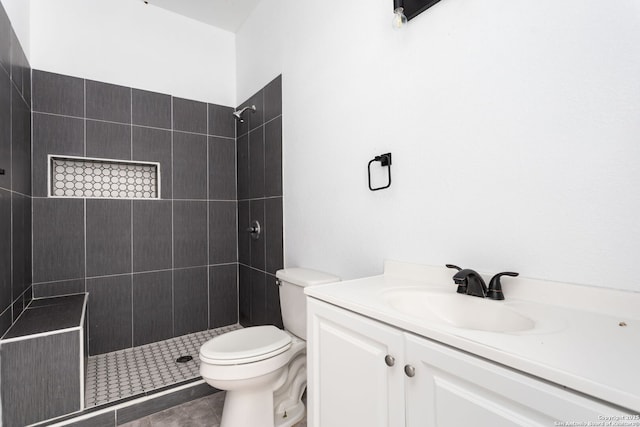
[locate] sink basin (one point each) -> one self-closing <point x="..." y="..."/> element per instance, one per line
<point x="460" y="311"/>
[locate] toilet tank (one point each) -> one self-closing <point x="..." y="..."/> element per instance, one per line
<point x="292" y="299"/>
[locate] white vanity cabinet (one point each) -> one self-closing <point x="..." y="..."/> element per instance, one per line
<point x="454" y="388"/>
<point x="350" y="382"/>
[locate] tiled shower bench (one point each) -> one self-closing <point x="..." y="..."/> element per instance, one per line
<point x="43" y="358"/>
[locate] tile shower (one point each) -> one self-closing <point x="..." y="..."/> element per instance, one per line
<point x="154" y="269"/>
<point x="163" y="275"/>
<point x="260" y="198"/>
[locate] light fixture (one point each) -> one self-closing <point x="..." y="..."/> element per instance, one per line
<point x="399" y="18"/>
<point x="404" y="10"/>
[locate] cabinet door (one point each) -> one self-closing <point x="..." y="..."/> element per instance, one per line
<point x="349" y="382"/>
<point x="451" y="389"/>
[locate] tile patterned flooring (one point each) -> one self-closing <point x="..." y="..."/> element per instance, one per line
<point x="120" y="374"/>
<point x="203" y="412"/>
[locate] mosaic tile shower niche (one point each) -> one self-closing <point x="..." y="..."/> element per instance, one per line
<point x="103" y="178"/>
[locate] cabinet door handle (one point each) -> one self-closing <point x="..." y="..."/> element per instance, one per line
<point x="389" y="360"/>
<point x="409" y="370"/>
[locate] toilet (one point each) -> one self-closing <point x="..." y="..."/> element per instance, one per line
<point x="263" y="368"/>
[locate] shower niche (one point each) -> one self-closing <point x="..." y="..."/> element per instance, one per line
<point x="85" y="177"/>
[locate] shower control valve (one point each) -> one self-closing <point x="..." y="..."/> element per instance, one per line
<point x="254" y="230"/>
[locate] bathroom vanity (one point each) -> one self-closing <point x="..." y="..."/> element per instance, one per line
<point x="405" y="349"/>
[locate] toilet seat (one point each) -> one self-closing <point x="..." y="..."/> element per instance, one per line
<point x="245" y="346"/>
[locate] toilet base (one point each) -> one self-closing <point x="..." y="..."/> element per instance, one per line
<point x="252" y="407"/>
<point x="294" y="414"/>
<point x="288" y="405"/>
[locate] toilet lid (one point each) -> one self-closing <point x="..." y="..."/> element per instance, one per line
<point x="247" y="343"/>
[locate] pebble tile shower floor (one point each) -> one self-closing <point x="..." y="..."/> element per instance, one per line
<point x="124" y="373"/>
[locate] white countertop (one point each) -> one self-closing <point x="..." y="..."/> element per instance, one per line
<point x="577" y="341"/>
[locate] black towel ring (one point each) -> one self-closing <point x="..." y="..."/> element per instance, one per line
<point x="385" y="160"/>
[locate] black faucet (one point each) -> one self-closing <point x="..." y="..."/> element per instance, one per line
<point x="471" y="283"/>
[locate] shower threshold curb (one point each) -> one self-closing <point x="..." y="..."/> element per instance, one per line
<point x="135" y="407"/>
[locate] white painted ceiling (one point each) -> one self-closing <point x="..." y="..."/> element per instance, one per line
<point x="228" y="15"/>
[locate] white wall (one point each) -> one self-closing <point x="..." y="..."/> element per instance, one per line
<point x="18" y="13"/>
<point x="259" y="44"/>
<point x="132" y="44"/>
<point x="513" y="126"/>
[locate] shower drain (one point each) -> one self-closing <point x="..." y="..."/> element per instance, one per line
<point x="184" y="359"/>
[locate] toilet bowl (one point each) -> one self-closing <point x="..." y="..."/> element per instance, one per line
<point x="263" y="368"/>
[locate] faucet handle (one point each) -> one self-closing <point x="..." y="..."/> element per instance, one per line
<point x="462" y="286"/>
<point x="495" y="287"/>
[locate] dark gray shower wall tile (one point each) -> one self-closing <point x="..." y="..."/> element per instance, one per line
<point x="109" y="313"/>
<point x="64" y="287"/>
<point x="222" y="169"/>
<point x="273" y="158"/>
<point x="21" y="72"/>
<point x="190" y="310"/>
<point x="27" y="296"/>
<point x="223" y="245"/>
<point x="189" y="166"/>
<point x="189" y="116"/>
<point x="273" y="99"/>
<point x="5" y="321"/>
<point x="152" y="307"/>
<point x="152" y="230"/>
<point x="221" y="121"/>
<point x="57" y="94"/>
<point x="5" y="129"/>
<point x="53" y="135"/>
<point x="18" y="61"/>
<point x="26" y="85"/>
<point x="223" y="295"/>
<point x="151" y="109"/>
<point x="20" y="144"/>
<point x="28" y="240"/>
<point x="21" y="243"/>
<point x="189" y="233"/>
<point x="256" y="163"/>
<point x="154" y="145"/>
<point x="256" y="208"/>
<point x="255" y="118"/>
<point x="242" y="147"/>
<point x="5" y="40"/>
<point x="108" y="140"/>
<point x="258" y="301"/>
<point x="5" y="249"/>
<point x="273" y="234"/>
<point x="244" y="295"/>
<point x="273" y="312"/>
<point x="108" y="237"/>
<point x="108" y="102"/>
<point x="58" y="239"/>
<point x="244" y="238"/>
<point x="17" y="309"/>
